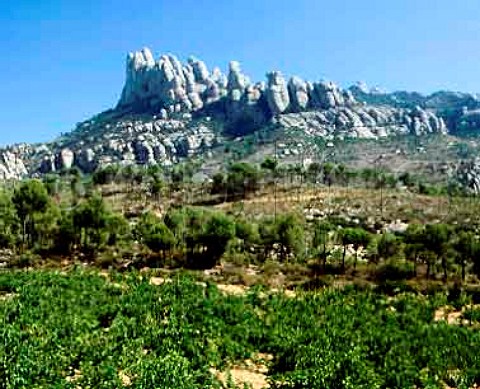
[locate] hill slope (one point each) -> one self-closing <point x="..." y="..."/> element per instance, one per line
<point x="169" y="111"/>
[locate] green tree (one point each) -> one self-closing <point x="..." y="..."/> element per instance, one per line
<point x="414" y="244"/>
<point x="52" y="184"/>
<point x="368" y="175"/>
<point x="286" y="232"/>
<point x="66" y="235"/>
<point x="46" y="226"/>
<point x="30" y="199"/>
<point x="218" y="185"/>
<point x="437" y="239"/>
<point x="270" y="164"/>
<point x="105" y="175"/>
<point x="313" y="172"/>
<point x="388" y="246"/>
<point x="118" y="229"/>
<point x="321" y="241"/>
<point x="9" y="223"/>
<point x="467" y="247"/>
<point x="328" y="173"/>
<point x="268" y="233"/>
<point x="90" y="219"/>
<point x="356" y="237"/>
<point x="247" y="233"/>
<point x="154" y="233"/>
<point x="156" y="187"/>
<point x="242" y="179"/>
<point x="219" y="230"/>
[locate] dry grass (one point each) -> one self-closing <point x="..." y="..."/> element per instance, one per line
<point x="367" y="204"/>
<point x="233" y="290"/>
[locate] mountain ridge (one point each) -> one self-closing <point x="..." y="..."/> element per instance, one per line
<point x="169" y="111"/>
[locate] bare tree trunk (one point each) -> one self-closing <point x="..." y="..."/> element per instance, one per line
<point x="444" y="267"/>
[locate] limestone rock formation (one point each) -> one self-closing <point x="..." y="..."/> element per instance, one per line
<point x="64" y="159"/>
<point x="173" y="88"/>
<point x="468" y="173"/>
<point x="169" y="110"/>
<point x="11" y="165"/>
<point x="277" y="93"/>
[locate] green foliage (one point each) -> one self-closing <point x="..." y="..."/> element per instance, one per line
<point x="105" y="175"/>
<point x="436" y="239"/>
<point x="95" y="225"/>
<point x="467" y="246"/>
<point x="156" y="187"/>
<point x="395" y="270"/>
<point x="218" y="185"/>
<point x="389" y="246"/>
<point x="219" y="230"/>
<point x="321" y="241"/>
<point x="203" y="234"/>
<point x="52" y="184"/>
<point x="356" y="237"/>
<point x="269" y="163"/>
<point x="66" y="236"/>
<point x="30" y="199"/>
<point x="9" y="223"/>
<point x="80" y="330"/>
<point x="241" y="180"/>
<point x="472" y="314"/>
<point x="285" y="234"/>
<point x="182" y="173"/>
<point x="154" y="233"/>
<point x="247" y="232"/>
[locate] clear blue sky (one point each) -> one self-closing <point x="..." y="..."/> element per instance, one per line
<point x="63" y="61"/>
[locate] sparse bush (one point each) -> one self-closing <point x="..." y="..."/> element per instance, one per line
<point x="389" y="246"/>
<point x="394" y="270"/>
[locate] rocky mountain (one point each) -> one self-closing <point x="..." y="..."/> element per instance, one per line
<point x="169" y="110"/>
<point x="460" y="111"/>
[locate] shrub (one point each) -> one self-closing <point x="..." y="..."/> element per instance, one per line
<point x="395" y="271"/>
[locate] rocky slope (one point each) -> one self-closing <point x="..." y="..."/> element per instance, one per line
<point x="170" y="110"/>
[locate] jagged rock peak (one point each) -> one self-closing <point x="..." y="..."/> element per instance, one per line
<point x="277" y="93"/>
<point x="168" y="85"/>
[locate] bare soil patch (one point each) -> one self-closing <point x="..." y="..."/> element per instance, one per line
<point x="453" y="316"/>
<point x="251" y="372"/>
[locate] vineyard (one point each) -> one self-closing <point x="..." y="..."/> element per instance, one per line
<point x="85" y="329"/>
<point x="264" y="277"/>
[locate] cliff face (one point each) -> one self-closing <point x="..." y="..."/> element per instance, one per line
<point x="167" y="86"/>
<point x="169" y="110"/>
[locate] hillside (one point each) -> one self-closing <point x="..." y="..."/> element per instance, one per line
<point x="169" y="111"/>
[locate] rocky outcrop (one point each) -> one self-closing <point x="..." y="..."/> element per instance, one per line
<point x="169" y="110"/>
<point x="326" y="95"/>
<point x="362" y="121"/>
<point x="298" y="90"/>
<point x="468" y="174"/>
<point x="64" y="159"/>
<point x="170" y="87"/>
<point x="277" y="93"/>
<point x="12" y="165"/>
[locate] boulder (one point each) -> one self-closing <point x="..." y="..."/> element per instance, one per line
<point x="298" y="92"/>
<point x="12" y="165"/>
<point x="200" y="70"/>
<point x="64" y="159"/>
<point x="143" y="152"/>
<point x="47" y="165"/>
<point x="86" y="160"/>
<point x="277" y="93"/>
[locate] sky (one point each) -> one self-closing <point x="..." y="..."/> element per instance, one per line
<point x="64" y="60"/>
